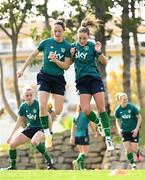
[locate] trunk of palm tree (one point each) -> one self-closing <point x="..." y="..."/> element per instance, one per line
<point x="46" y="15"/>
<point x="14" y="60"/>
<point x="100" y="36"/>
<point x="138" y="58"/>
<point x="8" y="108"/>
<point x="138" y="72"/>
<point x="126" y="48"/>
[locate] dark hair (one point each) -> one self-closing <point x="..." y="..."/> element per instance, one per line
<point x="84" y="30"/>
<point x="60" y="21"/>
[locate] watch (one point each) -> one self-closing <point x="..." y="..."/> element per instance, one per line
<point x="99" y="52"/>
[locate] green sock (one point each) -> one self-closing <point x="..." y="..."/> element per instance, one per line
<point x="13" y="156"/>
<point x="41" y="148"/>
<point x="130" y="157"/>
<point x="105" y="123"/>
<point x="80" y="159"/>
<point x="44" y="122"/>
<point x="92" y="117"/>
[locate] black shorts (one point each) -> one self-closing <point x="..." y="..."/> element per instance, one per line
<point x="82" y="140"/>
<point x="50" y="83"/>
<point x="89" y="85"/>
<point x="127" y="136"/>
<point x="29" y="131"/>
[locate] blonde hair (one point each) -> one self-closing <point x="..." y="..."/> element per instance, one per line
<point x="118" y="96"/>
<point x="27" y="88"/>
<point x="91" y="21"/>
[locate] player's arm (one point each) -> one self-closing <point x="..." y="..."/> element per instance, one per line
<point x="139" y="120"/>
<point x="20" y="123"/>
<point x="72" y="134"/>
<point x="27" y="62"/>
<point x="72" y="52"/>
<point x="118" y="126"/>
<point x="62" y="64"/>
<point x="93" y="128"/>
<point x="102" y="58"/>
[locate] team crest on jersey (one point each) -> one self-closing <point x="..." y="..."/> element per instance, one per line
<point x="86" y="48"/>
<point x="62" y="50"/>
<point x="129" y="111"/>
<point x="34" y="110"/>
<point x="51" y="47"/>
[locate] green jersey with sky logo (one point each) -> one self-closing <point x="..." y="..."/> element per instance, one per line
<point x="85" y="60"/>
<point x="127" y="117"/>
<point x="31" y="113"/>
<point x="60" y="49"/>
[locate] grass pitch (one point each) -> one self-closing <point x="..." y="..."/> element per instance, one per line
<point x="70" y="175"/>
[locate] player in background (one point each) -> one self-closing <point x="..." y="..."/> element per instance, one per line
<point x="128" y="122"/>
<point x="28" y="117"/>
<point x="80" y="137"/>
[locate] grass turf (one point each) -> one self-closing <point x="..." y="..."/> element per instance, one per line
<point x="69" y="175"/>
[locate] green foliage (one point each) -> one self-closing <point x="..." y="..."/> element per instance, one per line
<point x="143" y="44"/>
<point x="14" y="12"/>
<point x="66" y="122"/>
<point x="115" y="85"/>
<point x="4" y="148"/>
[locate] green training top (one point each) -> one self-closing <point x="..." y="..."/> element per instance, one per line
<point x="31" y="113"/>
<point x="81" y="125"/>
<point x="60" y="49"/>
<point x="85" y="60"/>
<point x="127" y="117"/>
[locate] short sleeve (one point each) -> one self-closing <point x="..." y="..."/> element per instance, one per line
<point x="135" y="110"/>
<point x="21" y="111"/>
<point x="67" y="54"/>
<point x="40" y="46"/>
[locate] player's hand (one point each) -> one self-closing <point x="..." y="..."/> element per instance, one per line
<point x="8" y="140"/>
<point x="52" y="57"/>
<point x="98" y="46"/>
<point x="20" y="73"/>
<point x="72" y="51"/>
<point x="134" y="132"/>
<point x="72" y="140"/>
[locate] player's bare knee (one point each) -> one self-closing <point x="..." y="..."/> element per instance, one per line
<point x="101" y="109"/>
<point x="58" y="111"/>
<point x="86" y="111"/>
<point x="43" y="110"/>
<point x="34" y="142"/>
<point x="13" y="145"/>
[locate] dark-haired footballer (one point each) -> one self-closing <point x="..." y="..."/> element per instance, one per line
<point x="50" y="79"/>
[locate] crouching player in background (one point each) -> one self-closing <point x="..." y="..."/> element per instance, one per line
<point x="28" y="116"/>
<point x="80" y="137"/>
<point x="128" y="121"/>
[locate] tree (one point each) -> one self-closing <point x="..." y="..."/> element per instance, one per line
<point x="135" y="22"/>
<point x="12" y="16"/>
<point x="126" y="54"/>
<point x="99" y="8"/>
<point x="6" y="104"/>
